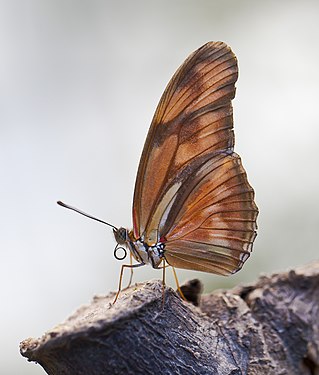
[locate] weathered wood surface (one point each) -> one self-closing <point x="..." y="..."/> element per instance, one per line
<point x="269" y="327"/>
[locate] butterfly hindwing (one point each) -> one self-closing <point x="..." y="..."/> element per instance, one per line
<point x="216" y="224"/>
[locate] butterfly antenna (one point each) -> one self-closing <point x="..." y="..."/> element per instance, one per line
<point x="84" y="214"/>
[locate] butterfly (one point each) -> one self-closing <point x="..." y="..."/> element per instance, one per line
<point x="193" y="206"/>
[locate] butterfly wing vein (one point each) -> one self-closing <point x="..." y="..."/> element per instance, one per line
<point x="191" y="188"/>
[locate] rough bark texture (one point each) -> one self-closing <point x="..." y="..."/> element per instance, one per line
<point x="270" y="327"/>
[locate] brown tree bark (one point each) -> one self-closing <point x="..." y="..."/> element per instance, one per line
<point x="269" y="327"/>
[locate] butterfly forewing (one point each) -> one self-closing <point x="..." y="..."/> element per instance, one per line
<point x="191" y="189"/>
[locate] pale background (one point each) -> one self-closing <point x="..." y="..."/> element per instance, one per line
<point x="79" y="83"/>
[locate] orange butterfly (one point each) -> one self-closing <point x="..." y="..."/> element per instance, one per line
<point x="193" y="207"/>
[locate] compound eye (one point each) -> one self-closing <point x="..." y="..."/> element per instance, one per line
<point x="120" y="235"/>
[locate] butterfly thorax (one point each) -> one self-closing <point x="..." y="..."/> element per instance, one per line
<point x="141" y="251"/>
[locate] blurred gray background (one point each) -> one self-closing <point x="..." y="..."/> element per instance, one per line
<point x="79" y="83"/>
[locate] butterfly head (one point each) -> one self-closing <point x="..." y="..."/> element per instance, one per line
<point x="122" y="238"/>
<point x="121" y="235"/>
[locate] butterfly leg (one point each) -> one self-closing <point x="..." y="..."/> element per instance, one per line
<point x="177" y="284"/>
<point x="121" y="276"/>
<point x="131" y="276"/>
<point x="163" y="284"/>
